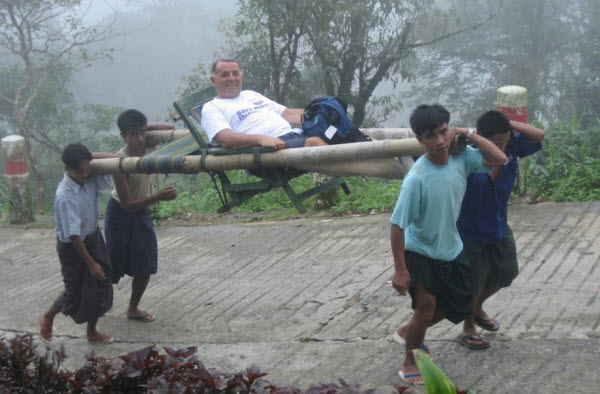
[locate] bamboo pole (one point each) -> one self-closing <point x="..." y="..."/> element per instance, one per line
<point x="343" y="160"/>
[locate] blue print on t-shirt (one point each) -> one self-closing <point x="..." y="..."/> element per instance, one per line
<point x="244" y="113"/>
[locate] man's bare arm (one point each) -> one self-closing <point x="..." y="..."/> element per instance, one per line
<point x="229" y="139"/>
<point x="531" y="133"/>
<point x="293" y="116"/>
<point x="401" y="279"/>
<point x="492" y="155"/>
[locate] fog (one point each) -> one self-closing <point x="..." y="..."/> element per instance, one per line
<point x="156" y="45"/>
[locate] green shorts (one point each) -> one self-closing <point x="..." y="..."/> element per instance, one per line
<point x="451" y="282"/>
<point x="494" y="265"/>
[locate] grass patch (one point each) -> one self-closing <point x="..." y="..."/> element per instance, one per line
<point x="199" y="196"/>
<point x="568" y="166"/>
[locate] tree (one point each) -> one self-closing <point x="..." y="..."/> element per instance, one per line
<point x="43" y="37"/>
<point x="272" y="33"/>
<point x="547" y="46"/>
<point x="362" y="44"/>
<point x="342" y="48"/>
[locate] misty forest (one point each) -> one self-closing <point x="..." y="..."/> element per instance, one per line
<point x="69" y="67"/>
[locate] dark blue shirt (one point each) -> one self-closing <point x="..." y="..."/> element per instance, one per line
<point x="484" y="209"/>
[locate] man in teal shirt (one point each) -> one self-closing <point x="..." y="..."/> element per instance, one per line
<point x="427" y="250"/>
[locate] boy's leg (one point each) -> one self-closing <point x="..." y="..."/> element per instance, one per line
<point x="46" y="321"/>
<point x="95" y="336"/>
<point x="469" y="336"/>
<point x="504" y="268"/>
<point x="138" y="287"/>
<point x="480" y="264"/>
<point x="425" y="316"/>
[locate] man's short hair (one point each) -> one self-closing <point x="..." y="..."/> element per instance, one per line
<point x="428" y="118"/>
<point x="213" y="68"/>
<point x="131" y="120"/>
<point x="493" y="122"/>
<point x="75" y="154"/>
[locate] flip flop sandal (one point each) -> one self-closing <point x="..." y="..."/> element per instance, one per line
<point x="487" y="323"/>
<point x="47" y="338"/>
<point x="104" y="339"/>
<point x="406" y="376"/>
<point x="467" y="340"/>
<point x="396" y="337"/>
<point x="144" y="318"/>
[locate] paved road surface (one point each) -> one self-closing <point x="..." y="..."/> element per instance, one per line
<point x="311" y="300"/>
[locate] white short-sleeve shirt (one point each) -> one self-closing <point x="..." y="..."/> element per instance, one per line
<point x="248" y="113"/>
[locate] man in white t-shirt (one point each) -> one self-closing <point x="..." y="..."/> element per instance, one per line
<point x="238" y="119"/>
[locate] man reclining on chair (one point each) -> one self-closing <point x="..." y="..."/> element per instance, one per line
<point x="237" y="119"/>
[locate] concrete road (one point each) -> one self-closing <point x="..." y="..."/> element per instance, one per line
<point x="310" y="300"/>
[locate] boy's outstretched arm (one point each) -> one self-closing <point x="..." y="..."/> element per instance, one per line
<point x="401" y="279"/>
<point x="131" y="205"/>
<point x="492" y="155"/>
<point x="531" y="133"/>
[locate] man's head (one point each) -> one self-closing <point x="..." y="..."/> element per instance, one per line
<point x="495" y="126"/>
<point x="132" y="124"/>
<point x="76" y="158"/>
<point x="428" y="118"/>
<point x="227" y="78"/>
<point x="430" y="124"/>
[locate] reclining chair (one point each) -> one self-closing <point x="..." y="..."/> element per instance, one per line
<point x="189" y="110"/>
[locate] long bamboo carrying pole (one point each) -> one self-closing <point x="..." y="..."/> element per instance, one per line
<point x="345" y="159"/>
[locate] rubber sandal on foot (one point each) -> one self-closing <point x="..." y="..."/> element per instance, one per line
<point x="396" y="337"/>
<point x="406" y="376"/>
<point x="145" y="317"/>
<point x="102" y="339"/>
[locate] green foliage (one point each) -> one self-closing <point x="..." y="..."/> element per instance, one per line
<point x="198" y="195"/>
<point x="294" y="50"/>
<point x="4" y="199"/>
<point x="550" y="47"/>
<point x="568" y="167"/>
<point x="369" y="195"/>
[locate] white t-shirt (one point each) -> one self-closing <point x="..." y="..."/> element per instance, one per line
<point x="248" y="113"/>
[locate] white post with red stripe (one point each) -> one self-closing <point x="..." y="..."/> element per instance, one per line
<point x="16" y="174"/>
<point x="512" y="101"/>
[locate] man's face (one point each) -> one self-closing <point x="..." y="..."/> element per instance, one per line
<point x="437" y="141"/>
<point x="501" y="140"/>
<point x="80" y="173"/>
<point x="135" y="140"/>
<point x="227" y="79"/>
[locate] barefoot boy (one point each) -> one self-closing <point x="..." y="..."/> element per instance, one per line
<point x="81" y="250"/>
<point x="130" y="236"/>
<point x="426" y="247"/>
<point x="483" y="225"/>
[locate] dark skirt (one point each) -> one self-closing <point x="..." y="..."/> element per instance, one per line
<point x="450" y="281"/>
<point x="494" y="265"/>
<point x="85" y="298"/>
<point x="131" y="242"/>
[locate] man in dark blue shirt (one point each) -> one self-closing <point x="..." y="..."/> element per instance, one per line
<point x="482" y="224"/>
